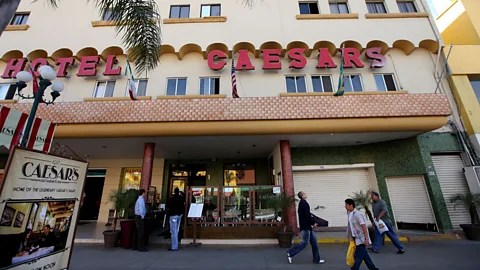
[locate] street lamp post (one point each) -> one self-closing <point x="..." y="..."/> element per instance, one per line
<point x="47" y="75"/>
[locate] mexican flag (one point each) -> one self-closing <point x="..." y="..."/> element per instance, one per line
<point x="341" y="81"/>
<point x="132" y="88"/>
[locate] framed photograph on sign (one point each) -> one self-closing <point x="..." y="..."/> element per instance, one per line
<point x="19" y="220"/>
<point x="7" y="216"/>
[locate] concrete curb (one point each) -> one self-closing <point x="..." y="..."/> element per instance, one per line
<point x="295" y="241"/>
<point x="401" y="238"/>
<point x="342" y="240"/>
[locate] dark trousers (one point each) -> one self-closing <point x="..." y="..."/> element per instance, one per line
<point x="139" y="233"/>
<point x="361" y="254"/>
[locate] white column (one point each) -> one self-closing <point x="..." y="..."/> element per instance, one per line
<point x="391" y="6"/>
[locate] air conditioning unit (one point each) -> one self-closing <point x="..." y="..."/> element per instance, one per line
<point x="473" y="178"/>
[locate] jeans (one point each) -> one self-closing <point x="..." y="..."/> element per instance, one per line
<point x="174" y="226"/>
<point x="379" y="238"/>
<point x="307" y="236"/>
<point x="361" y="254"/>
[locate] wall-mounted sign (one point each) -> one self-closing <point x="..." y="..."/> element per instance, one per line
<point x="272" y="57"/>
<point x="88" y="66"/>
<point x="39" y="205"/>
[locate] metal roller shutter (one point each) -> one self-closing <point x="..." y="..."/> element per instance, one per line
<point x="329" y="189"/>
<point x="449" y="170"/>
<point x="410" y="200"/>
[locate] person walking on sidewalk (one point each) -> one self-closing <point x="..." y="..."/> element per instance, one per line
<point x="380" y="211"/>
<point x="308" y="235"/>
<point x="140" y="212"/>
<point x="358" y="232"/>
<point x="176" y="208"/>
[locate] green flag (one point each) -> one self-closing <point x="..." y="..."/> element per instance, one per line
<point x="341" y="88"/>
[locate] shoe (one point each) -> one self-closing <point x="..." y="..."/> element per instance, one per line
<point x="289" y="258"/>
<point x="373" y="250"/>
<point x="400" y="251"/>
<point x="172" y="249"/>
<point x="143" y="250"/>
<point x="321" y="262"/>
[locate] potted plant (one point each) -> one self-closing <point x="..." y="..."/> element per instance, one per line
<point x="281" y="203"/>
<point x="364" y="201"/>
<point x="127" y="225"/>
<point x="472" y="201"/>
<point x="120" y="203"/>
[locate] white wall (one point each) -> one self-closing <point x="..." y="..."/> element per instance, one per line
<point x="413" y="73"/>
<point x="70" y="27"/>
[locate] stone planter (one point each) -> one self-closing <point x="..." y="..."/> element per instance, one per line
<point x="110" y="238"/>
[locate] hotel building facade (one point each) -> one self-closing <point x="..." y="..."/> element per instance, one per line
<point x="389" y="132"/>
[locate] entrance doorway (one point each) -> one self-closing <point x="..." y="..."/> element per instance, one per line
<point x="93" y="194"/>
<point x="187" y="175"/>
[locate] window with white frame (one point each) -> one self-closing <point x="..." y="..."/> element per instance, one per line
<point x="180" y="11"/>
<point x="296" y="84"/>
<point x="7" y="91"/>
<point x="176" y="86"/>
<point x="339" y="7"/>
<point x="322" y="83"/>
<point x="19" y="18"/>
<point x="104" y="89"/>
<point x="209" y="86"/>
<point x="310" y="7"/>
<point x="376" y="6"/>
<point x="406" y="6"/>
<point x="352" y="83"/>
<point x="140" y="85"/>
<point x="210" y="10"/>
<point x="385" y="82"/>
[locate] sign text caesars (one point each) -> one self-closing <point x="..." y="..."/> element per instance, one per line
<point x="271" y="59"/>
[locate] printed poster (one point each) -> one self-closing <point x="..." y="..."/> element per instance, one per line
<point x="39" y="206"/>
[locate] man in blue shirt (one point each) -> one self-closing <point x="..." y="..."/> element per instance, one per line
<point x="140" y="212"/>
<point x="305" y="219"/>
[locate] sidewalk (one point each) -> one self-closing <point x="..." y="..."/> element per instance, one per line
<point x="91" y="233"/>
<point x="403" y="235"/>
<point x="438" y="255"/>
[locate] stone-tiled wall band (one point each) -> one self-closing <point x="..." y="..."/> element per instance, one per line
<point x="230" y="109"/>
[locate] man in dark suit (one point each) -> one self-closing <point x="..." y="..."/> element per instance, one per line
<point x="48" y="237"/>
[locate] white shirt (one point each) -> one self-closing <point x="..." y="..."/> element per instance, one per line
<point x="140" y="209"/>
<point x="355" y="222"/>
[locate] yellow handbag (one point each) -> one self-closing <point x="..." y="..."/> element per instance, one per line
<point x="351" y="253"/>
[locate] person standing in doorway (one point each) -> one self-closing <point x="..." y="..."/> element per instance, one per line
<point x="176" y="207"/>
<point x="140" y="212"/>
<point x="308" y="235"/>
<point x="380" y="212"/>
<point x="358" y="232"/>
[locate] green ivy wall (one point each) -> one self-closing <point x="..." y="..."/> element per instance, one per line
<point x="394" y="158"/>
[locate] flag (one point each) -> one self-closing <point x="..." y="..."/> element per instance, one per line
<point x="34" y="81"/>
<point x="12" y="128"/>
<point x="132" y="88"/>
<point x="12" y="124"/>
<point x="41" y="135"/>
<point x="234" y="78"/>
<point x="341" y="81"/>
